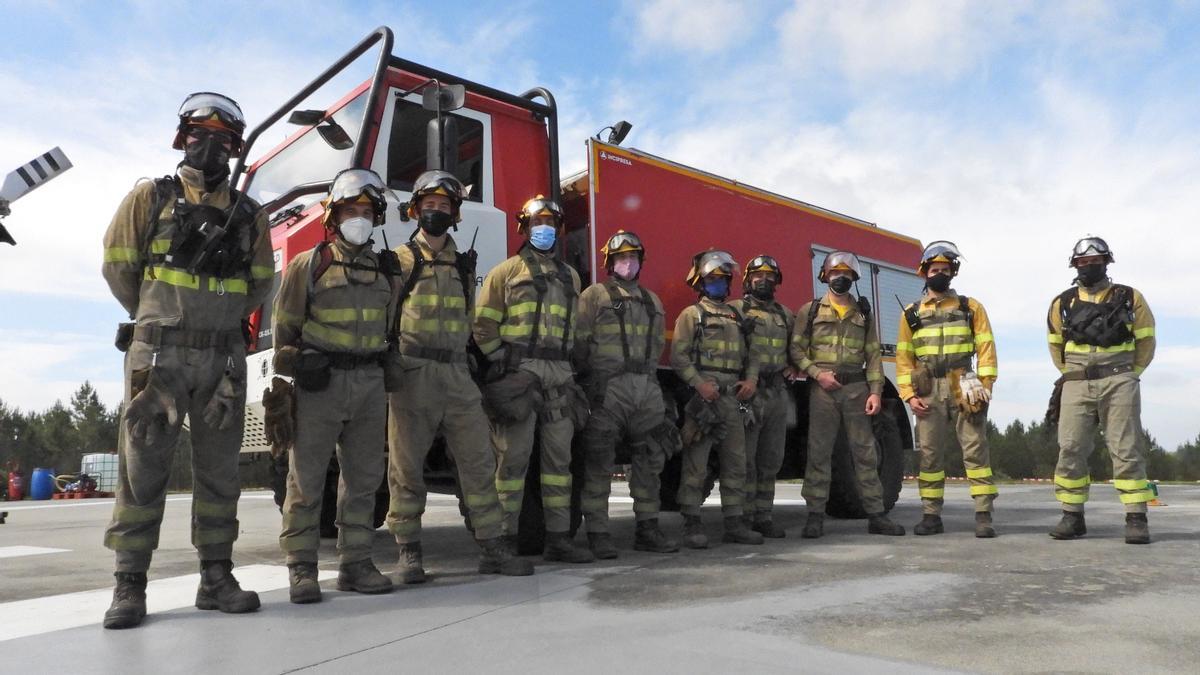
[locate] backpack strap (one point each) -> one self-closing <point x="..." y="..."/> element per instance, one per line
<point x="618" y="306"/>
<point x="165" y="189"/>
<point x="964" y="306"/>
<point x="813" y="308"/>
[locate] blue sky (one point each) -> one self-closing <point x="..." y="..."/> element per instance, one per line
<point x="1011" y="128"/>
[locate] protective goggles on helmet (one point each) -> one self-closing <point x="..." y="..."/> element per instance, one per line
<point x="940" y="251"/>
<point x="1089" y="246"/>
<point x="840" y="260"/>
<point x="436" y="182"/>
<point x="622" y="242"/>
<point x="353" y="184"/>
<point x="209" y="109"/>
<point x="763" y="263"/>
<point x="716" y="262"/>
<point x="538" y="206"/>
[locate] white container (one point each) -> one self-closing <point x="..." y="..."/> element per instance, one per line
<point x="103" y="468"/>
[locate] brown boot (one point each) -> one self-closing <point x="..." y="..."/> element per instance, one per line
<point x="767" y="528"/>
<point x="129" y="601"/>
<point x="983" y="525"/>
<point x="362" y="576"/>
<point x="879" y="523"/>
<point x="814" y="526"/>
<point x="930" y="524"/>
<point x="648" y="537"/>
<point x="303" y="586"/>
<point x="560" y="548"/>
<point x="1072" y="526"/>
<point x="736" y="532"/>
<point x="495" y="558"/>
<point x="411" y="565"/>
<point x="220" y="590"/>
<point x="602" y="546"/>
<point x="693" y="532"/>
<point x="1137" y="529"/>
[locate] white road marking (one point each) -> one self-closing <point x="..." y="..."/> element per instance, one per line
<point x="19" y="551"/>
<point x="36" y="616"/>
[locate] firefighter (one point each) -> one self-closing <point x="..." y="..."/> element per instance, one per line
<point x="190" y="259"/>
<point x="618" y="340"/>
<point x="835" y="343"/>
<point x="329" y="325"/>
<point x="938" y="336"/>
<point x="1101" y="340"/>
<point x="765" y="440"/>
<point x="710" y="354"/>
<point x="435" y="393"/>
<point x="524" y="323"/>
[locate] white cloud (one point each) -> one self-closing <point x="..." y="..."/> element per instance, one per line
<point x="42" y="367"/>
<point x="693" y="26"/>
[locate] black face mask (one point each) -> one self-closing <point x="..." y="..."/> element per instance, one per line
<point x="434" y="222"/>
<point x="763" y="289"/>
<point x="1090" y="275"/>
<point x="938" y="283"/>
<point x="208" y="154"/>
<point x="840" y="285"/>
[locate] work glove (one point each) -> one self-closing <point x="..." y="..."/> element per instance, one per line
<point x="284" y="360"/>
<point x="279" y="418"/>
<point x="226" y="402"/>
<point x="973" y="390"/>
<point x="152" y="411"/>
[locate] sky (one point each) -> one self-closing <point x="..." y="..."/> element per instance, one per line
<point x="1012" y="128"/>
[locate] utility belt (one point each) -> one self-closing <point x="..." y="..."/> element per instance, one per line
<point x="313" y="366"/>
<point x="771" y="380"/>
<point x="715" y="369"/>
<point x="540" y="353"/>
<point x="942" y="369"/>
<point x="172" y="336"/>
<point x="850" y="376"/>
<point x="1096" y="372"/>
<point x="432" y="354"/>
<point x="347" y="361"/>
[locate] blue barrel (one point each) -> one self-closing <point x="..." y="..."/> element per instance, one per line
<point x="41" y="486"/>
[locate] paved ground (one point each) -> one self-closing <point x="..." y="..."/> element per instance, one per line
<point x="850" y="602"/>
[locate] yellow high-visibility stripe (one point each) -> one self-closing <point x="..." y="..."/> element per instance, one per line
<point x="1136" y="497"/>
<point x="932" y="493"/>
<point x="556" y="501"/>
<point x="984" y="490"/>
<point x="335" y="314"/>
<point x="482" y="312"/>
<point x="160" y="246"/>
<point x="262" y="271"/>
<point x="1070" y="497"/>
<point x="1140" y="333"/>
<point x="904" y="346"/>
<point x="510" y="485"/>
<point x="1054" y="338"/>
<point x="1087" y="349"/>
<point x="238" y="286"/>
<point x="121" y="255"/>
<point x="965" y="348"/>
<point x="904" y="379"/>
<point x="932" y="477"/>
<point x="987" y="371"/>
<point x="1072" y="483"/>
<point x="1128" y="485"/>
<point x="556" y="479"/>
<point x="172" y="277"/>
<point x="981" y="338"/>
<point x="956" y="330"/>
<point x="984" y="472"/>
<point x="490" y="346"/>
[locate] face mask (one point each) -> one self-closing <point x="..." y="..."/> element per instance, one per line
<point x="434" y="222"/>
<point x="207" y="154"/>
<point x="840" y="285"/>
<point x="1090" y="275"/>
<point x="356" y="231"/>
<point x="542" y="237"/>
<point x="627" y="269"/>
<point x="717" y="288"/>
<point x="763" y="289"/>
<point x="938" y="283"/>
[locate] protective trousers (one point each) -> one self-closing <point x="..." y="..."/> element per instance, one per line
<point x="731" y="452"/>
<point x="764" y="450"/>
<point x="933" y="435"/>
<point x="144" y="470"/>
<point x="439" y="398"/>
<point x="1116" y="402"/>
<point x="348" y="417"/>
<point x="828" y="412"/>
<point x="514" y="445"/>
<point x="632" y="409"/>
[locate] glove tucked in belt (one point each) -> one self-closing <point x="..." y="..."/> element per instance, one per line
<point x="152" y="410"/>
<point x="279" y="418"/>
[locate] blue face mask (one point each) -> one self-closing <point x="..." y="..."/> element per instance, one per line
<point x="716" y="288"/>
<point x="542" y="237"/>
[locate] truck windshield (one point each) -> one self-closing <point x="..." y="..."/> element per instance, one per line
<point x="307" y="159"/>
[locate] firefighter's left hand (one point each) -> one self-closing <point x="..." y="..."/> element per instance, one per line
<point x="791" y="374"/>
<point x="874" y="403"/>
<point x="746" y="389"/>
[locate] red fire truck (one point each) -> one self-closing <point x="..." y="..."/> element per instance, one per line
<point x="504" y="148"/>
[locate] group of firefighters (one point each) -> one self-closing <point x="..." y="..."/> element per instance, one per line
<point x="395" y="348"/>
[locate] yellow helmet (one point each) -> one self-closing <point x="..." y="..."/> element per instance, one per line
<point x="538" y="206"/>
<point x="840" y="260"/>
<point x="712" y="261"/>
<point x="940" y="251"/>
<point x="762" y="263"/>
<point x="623" y="242"/>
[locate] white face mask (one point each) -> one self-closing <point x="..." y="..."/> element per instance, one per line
<point x="356" y="231"/>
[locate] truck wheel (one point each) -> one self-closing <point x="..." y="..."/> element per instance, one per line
<point x="845" y="499"/>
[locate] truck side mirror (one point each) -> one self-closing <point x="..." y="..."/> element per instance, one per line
<point x="335" y="135"/>
<point x="441" y="144"/>
<point x="442" y="98"/>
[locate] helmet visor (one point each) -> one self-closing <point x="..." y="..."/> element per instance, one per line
<point x="351" y="183"/>
<point x="438" y="182"/>
<point x="1090" y="246"/>
<point x="539" y="206"/>
<point x="763" y="263"/>
<point x="843" y="260"/>
<point x="945" y="249"/>
<point x="204" y="105"/>
<point x="622" y="242"/>
<point x="716" y="262"/>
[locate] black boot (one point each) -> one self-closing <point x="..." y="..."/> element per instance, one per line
<point x="1071" y="526"/>
<point x="693" y="532"/>
<point x="602" y="546"/>
<point x="930" y="524"/>
<point x="510" y="541"/>
<point x="560" y="548"/>
<point x="220" y="590"/>
<point x="767" y="528"/>
<point x="411" y="565"/>
<point x="362" y="576"/>
<point x="879" y="523"/>
<point x="129" y="601"/>
<point x="648" y="537"/>
<point x="1137" y="530"/>
<point x="495" y="558"/>
<point x="983" y="525"/>
<point x="814" y="526"/>
<point x="303" y="587"/>
<point x="736" y="532"/>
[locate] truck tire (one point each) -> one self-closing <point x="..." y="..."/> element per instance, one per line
<point x="845" y="499"/>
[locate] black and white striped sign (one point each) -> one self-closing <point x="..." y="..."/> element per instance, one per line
<point x="33" y="174"/>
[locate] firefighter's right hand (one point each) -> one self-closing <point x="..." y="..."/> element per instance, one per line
<point x="828" y="381"/>
<point x="918" y="405"/>
<point x="279" y="417"/>
<point x="152" y="412"/>
<point x="709" y="391"/>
